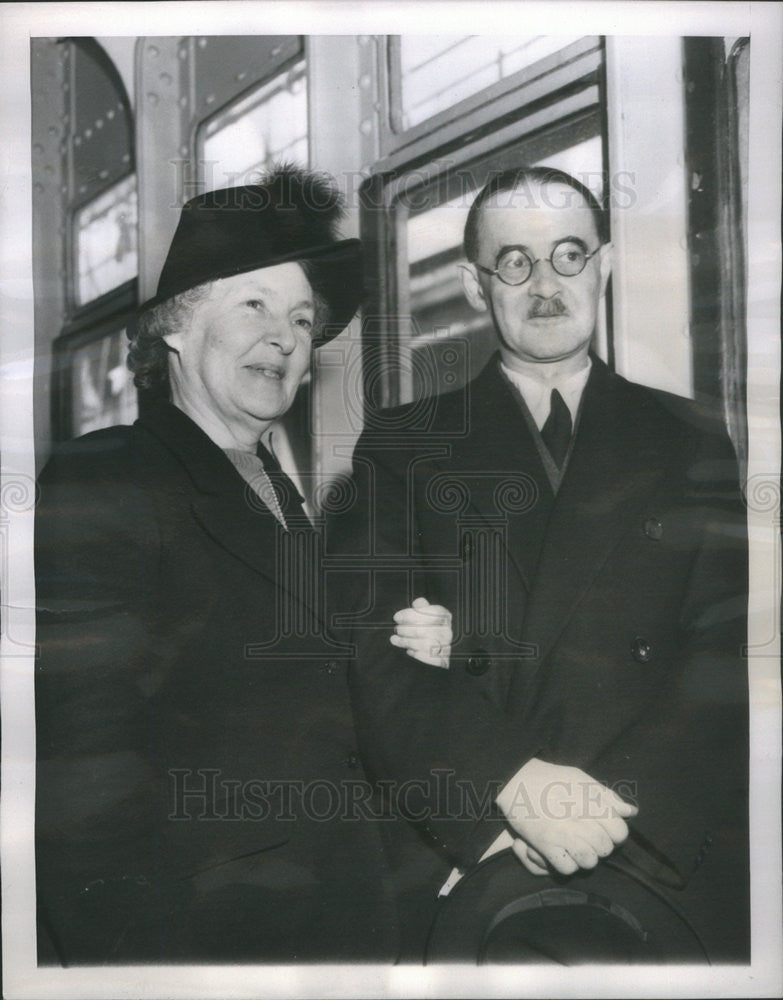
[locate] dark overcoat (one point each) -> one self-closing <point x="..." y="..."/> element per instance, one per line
<point x="601" y="628"/>
<point x="195" y="744"/>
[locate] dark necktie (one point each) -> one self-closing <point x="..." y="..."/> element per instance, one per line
<point x="288" y="496"/>
<point x="556" y="432"/>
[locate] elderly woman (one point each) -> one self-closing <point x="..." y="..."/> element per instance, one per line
<point x="199" y="792"/>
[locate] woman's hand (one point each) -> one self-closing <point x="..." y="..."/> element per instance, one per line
<point x="424" y="632"/>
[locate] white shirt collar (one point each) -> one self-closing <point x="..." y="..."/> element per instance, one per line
<point x="536" y="392"/>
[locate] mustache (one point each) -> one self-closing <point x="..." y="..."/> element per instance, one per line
<point x="546" y="307"/>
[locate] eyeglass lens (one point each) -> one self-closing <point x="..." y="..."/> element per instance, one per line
<point x="567" y="258"/>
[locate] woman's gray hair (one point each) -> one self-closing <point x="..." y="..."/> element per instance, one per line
<point x="148" y="353"/>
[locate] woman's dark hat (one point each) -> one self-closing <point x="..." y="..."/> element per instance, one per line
<point x="290" y="215"/>
<point x="499" y="912"/>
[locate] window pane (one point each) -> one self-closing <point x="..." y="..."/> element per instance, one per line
<point x="456" y="341"/>
<point x="436" y="72"/>
<point x="106" y="241"/>
<point x="268" y="126"/>
<point x="103" y="393"/>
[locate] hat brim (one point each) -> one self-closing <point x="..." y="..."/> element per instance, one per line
<point x="500" y="912"/>
<point x="335" y="273"/>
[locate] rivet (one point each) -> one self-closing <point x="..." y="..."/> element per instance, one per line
<point x="77" y="140"/>
<point x="63" y="189"/>
<point x="277" y="50"/>
<point x="209" y="99"/>
<point x="110" y="114"/>
<point x="363" y="39"/>
<point x="183" y="150"/>
<point x="53" y="130"/>
<point x="377" y="105"/>
<point x="241" y="76"/>
<point x="126" y="157"/>
<point x="153" y="98"/>
<point x="153" y="51"/>
<point x="38" y="148"/>
<point x="166" y="79"/>
<point x="202" y="43"/>
<point x="38" y="187"/>
<point x="82" y="188"/>
<point x="49" y="169"/>
<point x="103" y="174"/>
<point x="88" y="133"/>
<point x="366" y="127"/>
<point x="183" y="101"/>
<point x="365" y="80"/>
<point x="99" y="123"/>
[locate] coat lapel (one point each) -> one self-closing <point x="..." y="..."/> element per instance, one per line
<point x="615" y="462"/>
<point x="220" y="501"/>
<point x="498" y="465"/>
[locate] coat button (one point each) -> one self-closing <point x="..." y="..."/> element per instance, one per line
<point x="641" y="650"/>
<point x="653" y="528"/>
<point x="478" y="663"/>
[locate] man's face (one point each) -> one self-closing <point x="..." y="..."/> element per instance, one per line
<point x="550" y="317"/>
<point x="247" y="348"/>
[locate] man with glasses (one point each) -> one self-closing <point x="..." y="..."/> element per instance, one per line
<point x="587" y="535"/>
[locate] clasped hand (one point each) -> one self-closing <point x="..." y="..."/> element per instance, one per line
<point x="562" y="817"/>
<point x="424" y="632"/>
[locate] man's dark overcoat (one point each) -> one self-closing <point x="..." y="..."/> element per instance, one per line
<point x="601" y="628"/>
<point x="195" y="742"/>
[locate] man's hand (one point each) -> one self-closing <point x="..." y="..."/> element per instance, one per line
<point x="424" y="632"/>
<point x="564" y="817"/>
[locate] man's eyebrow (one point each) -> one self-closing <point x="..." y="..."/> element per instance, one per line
<point x="570" y="239"/>
<point x="555" y="243"/>
<point x="513" y="246"/>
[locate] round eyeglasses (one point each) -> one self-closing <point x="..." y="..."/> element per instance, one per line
<point x="514" y="266"/>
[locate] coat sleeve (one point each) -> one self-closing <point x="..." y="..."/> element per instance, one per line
<point x="441" y="757"/>
<point x="96" y="554"/>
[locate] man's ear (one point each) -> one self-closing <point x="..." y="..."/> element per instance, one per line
<point x="605" y="257"/>
<point x="471" y="286"/>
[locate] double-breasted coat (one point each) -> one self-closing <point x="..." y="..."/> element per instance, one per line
<point x="601" y="627"/>
<point x="194" y="735"/>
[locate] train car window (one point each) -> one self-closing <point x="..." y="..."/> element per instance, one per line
<point x="414" y="207"/>
<point x="717" y="144"/>
<point x="267" y="126"/>
<point x="92" y="387"/>
<point x="442" y="323"/>
<point x="100" y="390"/>
<point x="105" y="232"/>
<point x="433" y="73"/>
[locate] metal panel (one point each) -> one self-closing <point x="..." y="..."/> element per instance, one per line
<point x="101" y="133"/>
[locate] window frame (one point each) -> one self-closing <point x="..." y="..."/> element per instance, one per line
<point x="109" y="314"/>
<point x="200" y="125"/>
<point x="553" y="99"/>
<point x="556" y="72"/>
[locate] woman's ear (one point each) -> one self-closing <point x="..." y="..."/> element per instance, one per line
<point x="173" y="341"/>
<point x="471" y="286"/>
